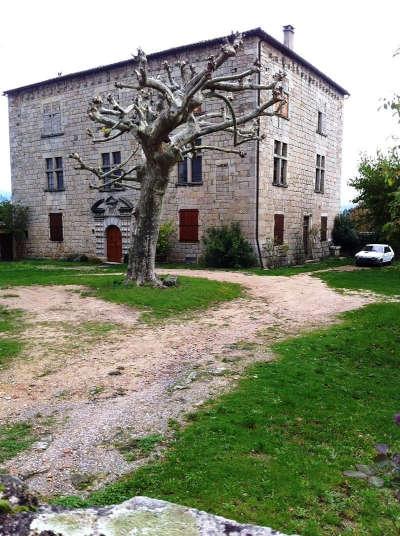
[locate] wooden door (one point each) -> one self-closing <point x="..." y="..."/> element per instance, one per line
<point x="114" y="244"/>
<point x="306" y="236"/>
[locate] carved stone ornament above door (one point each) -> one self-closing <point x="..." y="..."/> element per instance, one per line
<point x="111" y="205"/>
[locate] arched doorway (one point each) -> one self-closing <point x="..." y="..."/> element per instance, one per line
<point x="114" y="244"/>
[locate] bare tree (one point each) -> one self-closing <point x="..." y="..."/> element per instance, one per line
<point x="164" y="121"/>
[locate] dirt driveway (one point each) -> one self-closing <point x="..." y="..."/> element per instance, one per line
<point x="91" y="369"/>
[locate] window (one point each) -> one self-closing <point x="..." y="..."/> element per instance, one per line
<point x="279" y="222"/>
<point x="321" y="124"/>
<point x="189" y="225"/>
<point x="56" y="227"/>
<point x="51" y="119"/>
<point x="282" y="110"/>
<point x="190" y="170"/>
<point x="55" y="174"/>
<point x="280" y="163"/>
<point x="324" y="228"/>
<point x="320" y="174"/>
<point x="108" y="161"/>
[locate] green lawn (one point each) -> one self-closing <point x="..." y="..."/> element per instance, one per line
<point x="191" y="294"/>
<point x="382" y="280"/>
<point x="273" y="450"/>
<point x="10" y="325"/>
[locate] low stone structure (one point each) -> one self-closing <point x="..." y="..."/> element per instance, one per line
<point x="139" y="516"/>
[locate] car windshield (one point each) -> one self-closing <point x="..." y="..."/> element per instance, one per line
<point x="378" y="249"/>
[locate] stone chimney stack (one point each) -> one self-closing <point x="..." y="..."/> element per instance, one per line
<point x="288" y="36"/>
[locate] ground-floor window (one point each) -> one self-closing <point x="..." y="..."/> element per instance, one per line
<point x="279" y="225"/>
<point x="56" y="227"/>
<point x="189" y="225"/>
<point x="324" y="228"/>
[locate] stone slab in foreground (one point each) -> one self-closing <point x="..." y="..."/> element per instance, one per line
<point x="139" y="516"/>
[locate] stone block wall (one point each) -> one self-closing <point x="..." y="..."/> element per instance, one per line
<point x="228" y="191"/>
<point x="307" y="95"/>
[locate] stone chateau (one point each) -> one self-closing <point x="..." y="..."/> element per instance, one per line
<point x="284" y="193"/>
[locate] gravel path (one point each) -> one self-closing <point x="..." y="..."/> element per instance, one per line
<point x="137" y="377"/>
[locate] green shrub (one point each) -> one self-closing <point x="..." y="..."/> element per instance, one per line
<point x="164" y="244"/>
<point x="226" y="247"/>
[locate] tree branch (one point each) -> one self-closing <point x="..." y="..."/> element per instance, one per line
<point x="242" y="154"/>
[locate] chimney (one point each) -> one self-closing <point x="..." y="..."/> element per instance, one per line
<point x="288" y="36"/>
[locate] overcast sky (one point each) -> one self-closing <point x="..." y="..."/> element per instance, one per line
<point x="352" y="42"/>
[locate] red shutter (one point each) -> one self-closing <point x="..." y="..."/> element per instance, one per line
<point x="56" y="227"/>
<point x="279" y="222"/>
<point x="189" y="225"/>
<point x="324" y="228"/>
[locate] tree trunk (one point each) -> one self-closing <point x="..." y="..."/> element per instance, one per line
<point x="145" y="228"/>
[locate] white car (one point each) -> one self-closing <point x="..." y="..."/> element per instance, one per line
<point x="378" y="254"/>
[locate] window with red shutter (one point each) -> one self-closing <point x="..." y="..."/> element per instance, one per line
<point x="189" y="225"/>
<point x="56" y="227"/>
<point x="324" y="228"/>
<point x="279" y="222"/>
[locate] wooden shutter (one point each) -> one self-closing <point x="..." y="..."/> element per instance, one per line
<point x="189" y="225"/>
<point x="279" y="222"/>
<point x="324" y="228"/>
<point x="56" y="227"/>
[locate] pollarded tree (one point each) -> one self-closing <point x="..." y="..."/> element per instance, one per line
<point x="164" y="122"/>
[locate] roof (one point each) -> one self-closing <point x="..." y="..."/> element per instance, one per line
<point x="255" y="32"/>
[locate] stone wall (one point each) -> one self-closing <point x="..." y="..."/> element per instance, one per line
<point x="307" y="95"/>
<point x="228" y="191"/>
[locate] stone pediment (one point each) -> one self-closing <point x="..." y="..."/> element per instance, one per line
<point x="112" y="205"/>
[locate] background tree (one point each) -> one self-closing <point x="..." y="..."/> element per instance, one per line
<point x="378" y="184"/>
<point x="344" y="233"/>
<point x="14" y="219"/>
<point x="165" y="123"/>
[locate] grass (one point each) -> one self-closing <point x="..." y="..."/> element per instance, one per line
<point x="273" y="451"/>
<point x="282" y="271"/>
<point x="288" y="271"/>
<point x="14" y="439"/>
<point x="158" y="304"/>
<point x="10" y="324"/>
<point x="192" y="293"/>
<point x="134" y="448"/>
<point x="382" y="280"/>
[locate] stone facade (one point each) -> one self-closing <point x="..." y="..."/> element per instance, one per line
<point x="48" y="120"/>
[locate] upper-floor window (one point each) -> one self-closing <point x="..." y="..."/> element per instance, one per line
<point x="320" y="174"/>
<point x="280" y="163"/>
<point x="56" y="227"/>
<point x="321" y="123"/>
<point x="51" y="119"/>
<point x="55" y="174"/>
<point x="190" y="169"/>
<point x="282" y="109"/>
<point x="109" y="161"/>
